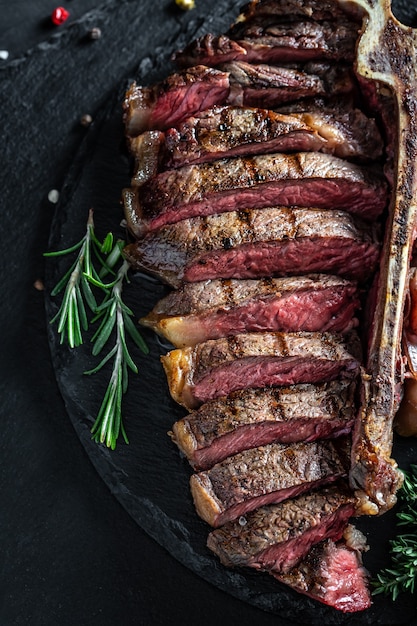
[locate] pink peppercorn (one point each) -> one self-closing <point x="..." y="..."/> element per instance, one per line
<point x="59" y="16"/>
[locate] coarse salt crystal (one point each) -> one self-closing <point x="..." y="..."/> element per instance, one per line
<point x="53" y="196"/>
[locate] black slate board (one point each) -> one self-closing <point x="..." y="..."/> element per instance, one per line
<point x="148" y="477"/>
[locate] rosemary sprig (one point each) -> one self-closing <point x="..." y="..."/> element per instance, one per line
<point x="114" y="313"/>
<point x="402" y="573"/>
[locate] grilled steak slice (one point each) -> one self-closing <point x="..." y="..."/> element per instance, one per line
<point x="249" y="418"/>
<point x="173" y="100"/>
<point x="265" y="475"/>
<point x="218" y="308"/>
<point x="331" y="573"/>
<point x="274" y="41"/>
<point x="258" y="243"/>
<point x="307" y="179"/>
<point x="276" y="537"/>
<point x="185" y="93"/>
<point x="225" y="131"/>
<point x="271" y="85"/>
<point x="217" y="367"/>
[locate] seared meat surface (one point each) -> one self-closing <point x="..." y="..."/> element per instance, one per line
<point x="261" y="193"/>
<point x="225" y="131"/>
<point x="306" y="179"/>
<point x="271" y="41"/>
<point x="265" y="475"/>
<point x="219" y="366"/>
<point x="250" y="418"/>
<point x="277" y="537"/>
<point x="258" y="243"/>
<point x="218" y="308"/>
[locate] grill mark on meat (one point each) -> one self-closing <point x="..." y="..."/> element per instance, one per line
<point x="264" y="475"/>
<point x="273" y="242"/>
<point x="276" y="537"/>
<point x="301" y="179"/>
<point x="211" y="309"/>
<point x="249" y="418"/>
<point x="217" y="367"/>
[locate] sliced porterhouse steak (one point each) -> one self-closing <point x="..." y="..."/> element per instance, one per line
<point x="249" y="418"/>
<point x="331" y="573"/>
<point x="258" y="243"/>
<point x="306" y="179"/>
<point x="265" y="475"/>
<point x="218" y="308"/>
<point x="276" y="537"/>
<point x="173" y="100"/>
<point x="219" y="366"/>
<point x="273" y="42"/>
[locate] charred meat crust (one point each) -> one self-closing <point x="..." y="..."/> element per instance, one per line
<point x="258" y="243"/>
<point x="264" y="475"/>
<point x="219" y="366"/>
<point x="250" y="418"/>
<point x="276" y="537"/>
<point x="225" y="131"/>
<point x="215" y="308"/>
<point x="308" y="179"/>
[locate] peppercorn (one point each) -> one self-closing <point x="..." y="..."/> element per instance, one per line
<point x="94" y="33"/>
<point x="59" y="16"/>
<point x="86" y="119"/>
<point x="186" y="5"/>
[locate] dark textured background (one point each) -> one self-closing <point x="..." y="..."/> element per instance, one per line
<point x="70" y="553"/>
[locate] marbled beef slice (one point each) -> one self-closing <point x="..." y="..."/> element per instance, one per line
<point x="256" y="243"/>
<point x="250" y="418"/>
<point x="333" y="574"/>
<point x="217" y="367"/>
<point x="276" y="537"/>
<point x="271" y="41"/>
<point x="306" y="179"/>
<point x="265" y="475"/>
<point x="217" y="308"/>
<point x="174" y="99"/>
